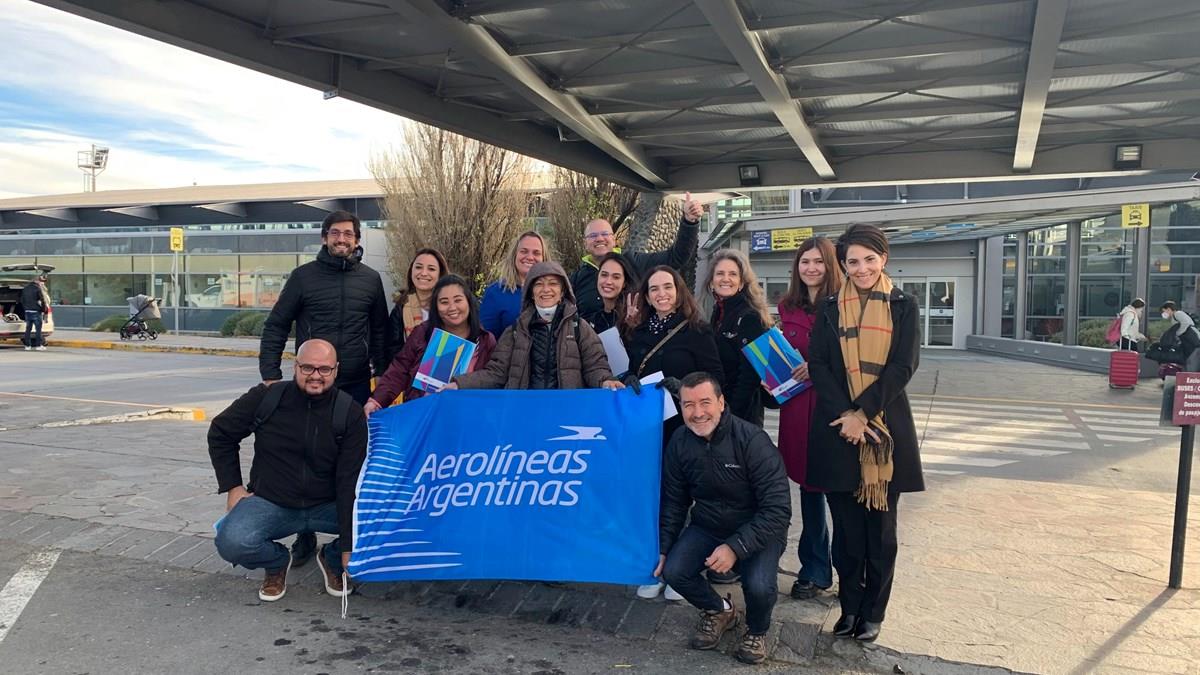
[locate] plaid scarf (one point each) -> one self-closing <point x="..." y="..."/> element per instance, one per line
<point x="865" y="331"/>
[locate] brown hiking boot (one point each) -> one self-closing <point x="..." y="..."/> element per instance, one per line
<point x="274" y="584"/>
<point x="753" y="649"/>
<point x="713" y="625"/>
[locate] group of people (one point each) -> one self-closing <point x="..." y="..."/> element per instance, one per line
<point x="1179" y="346"/>
<point x="848" y="441"/>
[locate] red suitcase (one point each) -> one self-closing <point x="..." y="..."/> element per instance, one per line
<point x="1123" y="366"/>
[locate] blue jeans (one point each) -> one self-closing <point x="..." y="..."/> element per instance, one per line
<point x="816" y="567"/>
<point x="684" y="571"/>
<point x="248" y="533"/>
<point x="33" y="319"/>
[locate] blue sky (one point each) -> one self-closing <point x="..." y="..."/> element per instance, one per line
<point x="171" y="117"/>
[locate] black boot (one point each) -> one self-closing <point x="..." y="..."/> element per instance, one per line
<point x="845" y="626"/>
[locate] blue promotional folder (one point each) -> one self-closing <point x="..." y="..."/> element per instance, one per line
<point x="774" y="359"/>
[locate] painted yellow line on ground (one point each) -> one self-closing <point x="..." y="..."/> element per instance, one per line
<point x="1069" y="404"/>
<point x="149" y="347"/>
<point x="197" y="413"/>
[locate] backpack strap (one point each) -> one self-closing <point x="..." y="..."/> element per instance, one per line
<point x="268" y="404"/>
<point x="343" y="403"/>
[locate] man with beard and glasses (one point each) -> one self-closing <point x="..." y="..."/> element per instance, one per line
<point x="310" y="440"/>
<point x="338" y="299"/>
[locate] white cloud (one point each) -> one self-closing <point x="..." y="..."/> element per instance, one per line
<point x="172" y="117"/>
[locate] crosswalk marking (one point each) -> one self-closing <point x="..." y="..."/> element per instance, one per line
<point x="965" y="461"/>
<point x="988" y="447"/>
<point x="958" y="436"/>
<point x="996" y="425"/>
<point x="1066" y="439"/>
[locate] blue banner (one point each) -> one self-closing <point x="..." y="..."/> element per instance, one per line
<point x="536" y="485"/>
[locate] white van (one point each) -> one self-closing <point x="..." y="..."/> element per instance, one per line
<point x="12" y="314"/>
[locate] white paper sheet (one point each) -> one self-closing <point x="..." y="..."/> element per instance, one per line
<point x="618" y="358"/>
<point x="669" y="409"/>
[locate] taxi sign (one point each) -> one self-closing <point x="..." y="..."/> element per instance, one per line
<point x="177" y="239"/>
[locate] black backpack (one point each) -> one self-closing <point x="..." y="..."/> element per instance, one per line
<point x="342" y="405"/>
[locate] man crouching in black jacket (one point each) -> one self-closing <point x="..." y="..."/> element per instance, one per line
<point x="304" y="473"/>
<point x="731" y="477"/>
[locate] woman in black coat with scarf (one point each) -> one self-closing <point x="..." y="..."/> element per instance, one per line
<point x="863" y="444"/>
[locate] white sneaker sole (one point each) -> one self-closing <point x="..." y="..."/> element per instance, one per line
<point x="650" y="591"/>
<point x="272" y="598"/>
<point x="325" y="576"/>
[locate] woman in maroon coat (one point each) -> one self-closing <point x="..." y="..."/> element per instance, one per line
<point x="453" y="309"/>
<point x="814" y="277"/>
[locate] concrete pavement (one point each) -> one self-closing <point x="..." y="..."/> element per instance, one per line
<point x="1053" y="564"/>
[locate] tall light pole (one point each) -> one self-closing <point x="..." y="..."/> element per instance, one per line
<point x="92" y="163"/>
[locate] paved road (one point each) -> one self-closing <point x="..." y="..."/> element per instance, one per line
<point x="147" y="489"/>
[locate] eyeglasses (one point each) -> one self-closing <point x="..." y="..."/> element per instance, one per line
<point x="592" y="236"/>
<point x="340" y="234"/>
<point x="309" y="369"/>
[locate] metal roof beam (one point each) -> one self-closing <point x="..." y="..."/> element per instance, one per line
<point x="726" y="19"/>
<point x="1043" y="49"/>
<point x="327" y="205"/>
<point x="885" y="168"/>
<point x="730" y="124"/>
<point x="140" y="212"/>
<point x="340" y="26"/>
<point x="65" y="215"/>
<point x="235" y="209"/>
<point x="521" y="78"/>
<point x="910" y="51"/>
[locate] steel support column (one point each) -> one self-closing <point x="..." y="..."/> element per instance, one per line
<point x="1019" y="331"/>
<point x="1071" y="309"/>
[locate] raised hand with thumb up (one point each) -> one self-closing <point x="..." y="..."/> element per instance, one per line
<point x="692" y="210"/>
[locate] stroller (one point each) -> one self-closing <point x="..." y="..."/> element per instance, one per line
<point x="141" y="309"/>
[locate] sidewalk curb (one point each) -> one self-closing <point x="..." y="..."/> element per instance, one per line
<point x="150" y="347"/>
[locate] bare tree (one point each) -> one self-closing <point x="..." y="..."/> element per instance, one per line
<point x="465" y="198"/>
<point x="578" y="198"/>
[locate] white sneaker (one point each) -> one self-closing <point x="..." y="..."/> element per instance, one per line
<point x="28" y="348"/>
<point x="672" y="595"/>
<point x="41" y="348"/>
<point x="650" y="591"/>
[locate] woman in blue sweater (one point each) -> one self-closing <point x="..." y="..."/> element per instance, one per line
<point x="501" y="304"/>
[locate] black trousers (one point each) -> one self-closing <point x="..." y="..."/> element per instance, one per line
<point x="864" y="554"/>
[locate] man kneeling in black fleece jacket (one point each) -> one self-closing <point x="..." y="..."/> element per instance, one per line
<point x="302" y="478"/>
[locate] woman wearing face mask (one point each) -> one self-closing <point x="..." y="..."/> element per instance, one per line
<point x="455" y="311"/>
<point x="814" y="278"/>
<point x="863" y="443"/>
<point x="501" y="304"/>
<point x="411" y="306"/>
<point x="739" y="316"/>
<point x="548" y="347"/>
<point x="615" y="281"/>
<point x="672" y="338"/>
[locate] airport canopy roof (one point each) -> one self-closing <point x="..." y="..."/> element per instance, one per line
<point x="680" y="94"/>
<point x="968" y="219"/>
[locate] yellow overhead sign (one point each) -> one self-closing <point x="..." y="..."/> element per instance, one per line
<point x="177" y="239"/>
<point x="1135" y="215"/>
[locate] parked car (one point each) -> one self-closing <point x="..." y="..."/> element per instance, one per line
<point x="12" y="314"/>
